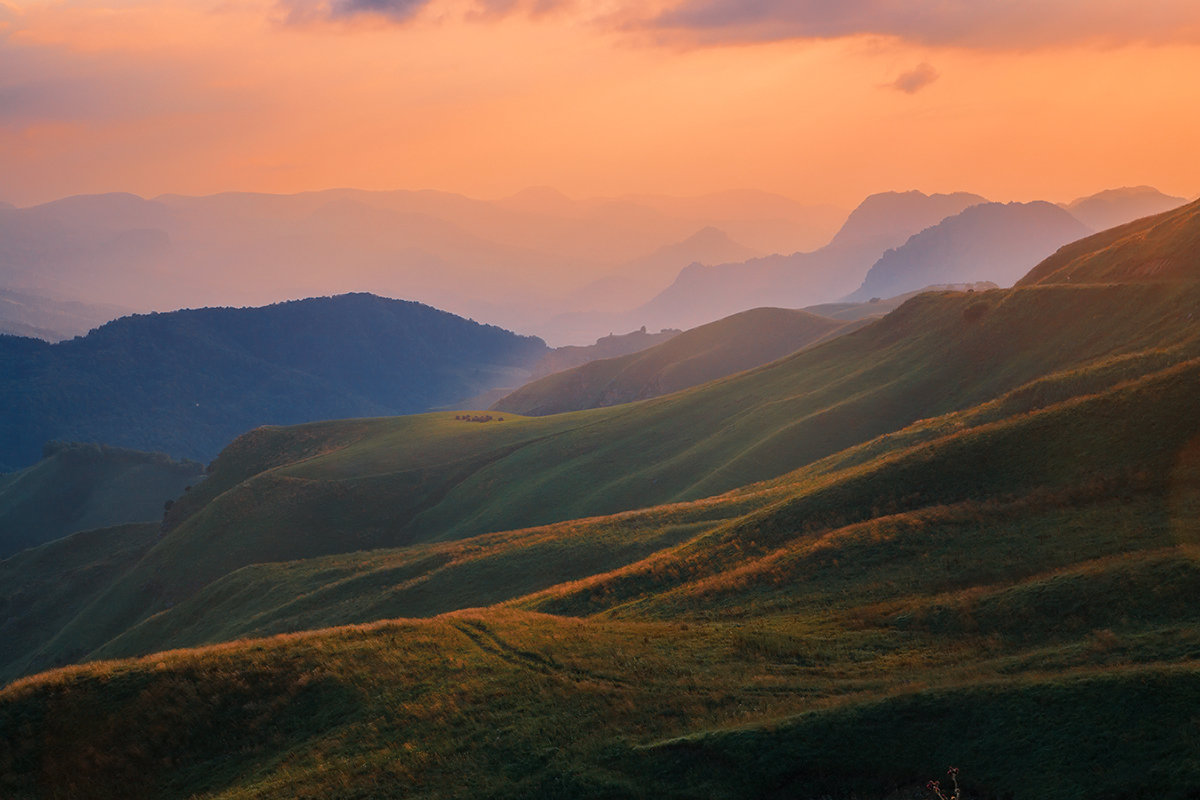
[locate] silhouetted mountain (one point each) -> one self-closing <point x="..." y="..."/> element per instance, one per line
<point x="988" y="242"/>
<point x="186" y="382"/>
<point x="704" y="293"/>
<point x="78" y="487"/>
<point x="1114" y="207"/>
<point x="28" y="314"/>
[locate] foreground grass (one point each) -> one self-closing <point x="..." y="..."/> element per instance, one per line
<point x="508" y="705"/>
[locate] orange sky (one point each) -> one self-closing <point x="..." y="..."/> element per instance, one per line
<point x="818" y="101"/>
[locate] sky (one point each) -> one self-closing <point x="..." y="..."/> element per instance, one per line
<point x="819" y="101"/>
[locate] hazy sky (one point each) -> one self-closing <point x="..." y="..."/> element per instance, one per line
<point x="822" y="101"/>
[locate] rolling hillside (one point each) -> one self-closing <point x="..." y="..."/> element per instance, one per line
<point x="1048" y="613"/>
<point x="76" y="487"/>
<point x="187" y="382"/>
<point x="972" y="542"/>
<point x="712" y="351"/>
<point x="337" y="487"/>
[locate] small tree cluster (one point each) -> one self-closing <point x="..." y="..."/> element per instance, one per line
<point x="478" y="418"/>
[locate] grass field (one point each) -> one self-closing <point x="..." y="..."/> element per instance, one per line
<point x="968" y="534"/>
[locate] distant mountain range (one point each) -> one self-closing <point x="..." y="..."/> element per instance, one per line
<point x="537" y="262"/>
<point x="30" y="314"/>
<point x="891" y="244"/>
<point x="1113" y="207"/>
<point x="996" y="242"/>
<point x="186" y="382"/>
<point x="702" y="293"/>
<point x="78" y="487"/>
<point x="513" y="262"/>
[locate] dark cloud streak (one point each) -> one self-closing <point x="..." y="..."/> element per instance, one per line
<point x="401" y="11"/>
<point x="1002" y="24"/>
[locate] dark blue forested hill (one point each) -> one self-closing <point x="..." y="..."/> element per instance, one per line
<point x="186" y="382"/>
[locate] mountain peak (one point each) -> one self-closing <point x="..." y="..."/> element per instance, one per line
<point x="1113" y="207"/>
<point x="886" y="213"/>
<point x="984" y="242"/>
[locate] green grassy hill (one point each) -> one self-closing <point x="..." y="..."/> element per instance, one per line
<point x="80" y="486"/>
<point x="703" y="354"/>
<point x="973" y="541"/>
<point x="327" y="488"/>
<point x="1165" y="247"/>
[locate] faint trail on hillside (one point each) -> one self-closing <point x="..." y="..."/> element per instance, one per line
<point x="490" y="643"/>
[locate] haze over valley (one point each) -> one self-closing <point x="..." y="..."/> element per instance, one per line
<point x="675" y="400"/>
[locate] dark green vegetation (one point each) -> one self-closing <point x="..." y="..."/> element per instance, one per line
<point x="712" y="351"/>
<point x="974" y="539"/>
<point x="81" y="486"/>
<point x="187" y="382"/>
<point x="996" y="242"/>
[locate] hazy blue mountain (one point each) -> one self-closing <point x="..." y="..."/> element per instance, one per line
<point x="1114" y="207"/>
<point x="703" y="293"/>
<point x="25" y="313"/>
<point x="995" y="242"/>
<point x="186" y="382"/>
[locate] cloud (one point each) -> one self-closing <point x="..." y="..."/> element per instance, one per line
<point x="915" y="79"/>
<point x="1002" y="24"/>
<point x="401" y="11"/>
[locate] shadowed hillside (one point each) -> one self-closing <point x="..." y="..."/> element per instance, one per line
<point x="187" y="382"/>
<point x="80" y="486"/>
<point x="711" y="351"/>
